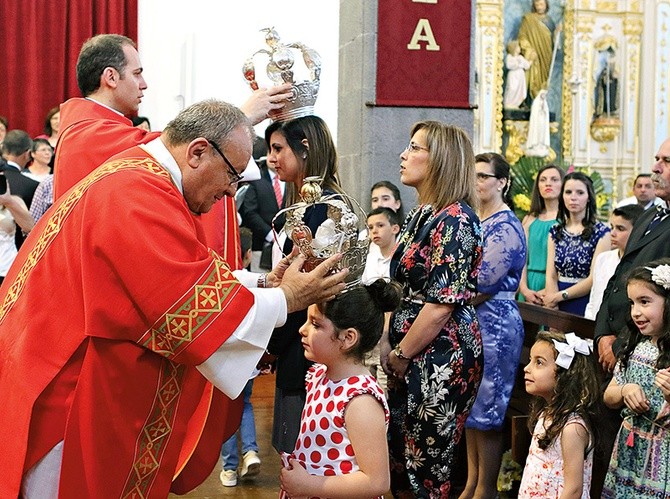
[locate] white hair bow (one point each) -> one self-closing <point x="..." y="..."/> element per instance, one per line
<point x="566" y="351"/>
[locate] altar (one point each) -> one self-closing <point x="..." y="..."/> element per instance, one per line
<point x="588" y="57"/>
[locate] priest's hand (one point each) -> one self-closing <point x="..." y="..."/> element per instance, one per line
<point x="265" y="100"/>
<point x="304" y="288"/>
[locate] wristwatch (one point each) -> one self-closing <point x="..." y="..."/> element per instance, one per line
<point x="564" y="295"/>
<point x="398" y="352"/>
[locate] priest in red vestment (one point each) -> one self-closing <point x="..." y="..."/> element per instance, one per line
<point x="93" y="129"/>
<point x="98" y="384"/>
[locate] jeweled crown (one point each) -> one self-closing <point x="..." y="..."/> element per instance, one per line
<point x="280" y="70"/>
<point x="343" y="231"/>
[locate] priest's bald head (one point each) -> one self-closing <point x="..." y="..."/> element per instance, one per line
<point x="212" y="143"/>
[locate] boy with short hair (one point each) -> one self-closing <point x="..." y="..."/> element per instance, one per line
<point x="621" y="221"/>
<point x="384" y="226"/>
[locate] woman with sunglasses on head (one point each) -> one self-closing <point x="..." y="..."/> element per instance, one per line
<point x="433" y="352"/>
<point x="499" y="320"/>
<point x="574" y="242"/>
<point x="297" y="149"/>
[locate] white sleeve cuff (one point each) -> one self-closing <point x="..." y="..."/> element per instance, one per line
<point x="233" y="363"/>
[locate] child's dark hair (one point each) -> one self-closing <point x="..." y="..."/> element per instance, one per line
<point x="631" y="336"/>
<point x="362" y="308"/>
<point x="630" y="212"/>
<point x="501" y="170"/>
<point x="390" y="214"/>
<point x="245" y="239"/>
<point x="577" y="391"/>
<point x="589" y="220"/>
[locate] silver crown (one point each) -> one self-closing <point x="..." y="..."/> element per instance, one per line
<point x="342" y="232"/>
<point x="280" y="70"/>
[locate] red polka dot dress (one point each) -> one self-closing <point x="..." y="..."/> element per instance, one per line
<point x="323" y="446"/>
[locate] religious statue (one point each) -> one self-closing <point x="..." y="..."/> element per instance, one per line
<point x="607" y="88"/>
<point x="516" y="88"/>
<point x="538" y="140"/>
<point x="536" y="35"/>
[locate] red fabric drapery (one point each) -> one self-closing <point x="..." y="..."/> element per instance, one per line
<point x="39" y="45"/>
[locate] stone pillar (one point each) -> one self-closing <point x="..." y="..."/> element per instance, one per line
<point x="370" y="138"/>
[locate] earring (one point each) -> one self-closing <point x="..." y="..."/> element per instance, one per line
<point x="499" y="189"/>
<point x="304" y="155"/>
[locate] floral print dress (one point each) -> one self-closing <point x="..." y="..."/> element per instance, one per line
<point x="436" y="261"/>
<point x="640" y="464"/>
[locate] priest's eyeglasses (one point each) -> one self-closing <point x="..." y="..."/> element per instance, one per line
<point x="236" y="177"/>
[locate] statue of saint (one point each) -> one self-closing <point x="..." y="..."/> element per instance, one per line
<point x="538" y="140"/>
<point x="607" y="88"/>
<point x="536" y="37"/>
<point x="516" y="88"/>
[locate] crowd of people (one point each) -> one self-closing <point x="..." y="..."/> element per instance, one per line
<point x="376" y="387"/>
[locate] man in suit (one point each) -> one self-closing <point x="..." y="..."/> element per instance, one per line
<point x="648" y="241"/>
<point x="16" y="148"/>
<point x="259" y="207"/>
<point x="644" y="245"/>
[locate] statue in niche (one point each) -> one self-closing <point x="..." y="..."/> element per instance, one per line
<point x="607" y="88"/>
<point x="516" y="88"/>
<point x="538" y="140"/>
<point x="536" y="37"/>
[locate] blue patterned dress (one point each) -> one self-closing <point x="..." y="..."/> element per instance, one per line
<point x="436" y="261"/>
<point x="573" y="262"/>
<point x="499" y="319"/>
<point x="640" y="464"/>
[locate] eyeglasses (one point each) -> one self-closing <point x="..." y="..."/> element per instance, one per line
<point x="483" y="176"/>
<point x="237" y="178"/>
<point x="412" y="147"/>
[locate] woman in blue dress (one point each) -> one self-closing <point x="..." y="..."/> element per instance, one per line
<point x="436" y="363"/>
<point x="573" y="245"/>
<point x="499" y="321"/>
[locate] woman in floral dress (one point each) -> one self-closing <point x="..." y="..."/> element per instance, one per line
<point x="433" y="354"/>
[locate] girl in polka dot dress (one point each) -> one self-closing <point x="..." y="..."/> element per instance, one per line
<point x="341" y="449"/>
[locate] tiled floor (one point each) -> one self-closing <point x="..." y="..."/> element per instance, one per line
<point x="266" y="484"/>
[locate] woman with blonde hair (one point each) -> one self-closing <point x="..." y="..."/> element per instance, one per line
<point x="433" y="352"/>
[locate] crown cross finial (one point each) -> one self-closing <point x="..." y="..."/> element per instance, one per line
<point x="280" y="69"/>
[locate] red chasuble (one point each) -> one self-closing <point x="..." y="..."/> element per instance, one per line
<point x="111" y="303"/>
<point x="92" y="133"/>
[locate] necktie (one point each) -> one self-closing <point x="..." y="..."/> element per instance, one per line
<point x="277" y="189"/>
<point x="661" y="214"/>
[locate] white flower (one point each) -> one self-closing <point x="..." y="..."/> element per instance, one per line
<point x="661" y="275"/>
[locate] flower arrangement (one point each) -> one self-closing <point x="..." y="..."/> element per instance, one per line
<point x="524" y="172"/>
<point x="510" y="472"/>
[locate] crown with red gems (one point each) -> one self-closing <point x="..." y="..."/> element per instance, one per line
<point x="280" y="69"/>
<point x="343" y="231"/>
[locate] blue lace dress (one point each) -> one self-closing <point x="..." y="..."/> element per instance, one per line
<point x="573" y="262"/>
<point x="499" y="319"/>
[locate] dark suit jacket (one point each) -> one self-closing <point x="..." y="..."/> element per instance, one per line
<point x="641" y="249"/>
<point x="258" y="209"/>
<point x="21" y="186"/>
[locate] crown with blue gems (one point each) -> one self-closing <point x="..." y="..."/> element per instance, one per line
<point x="280" y="69"/>
<point x="344" y="231"/>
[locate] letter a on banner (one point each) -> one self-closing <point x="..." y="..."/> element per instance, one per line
<point x="423" y="33"/>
